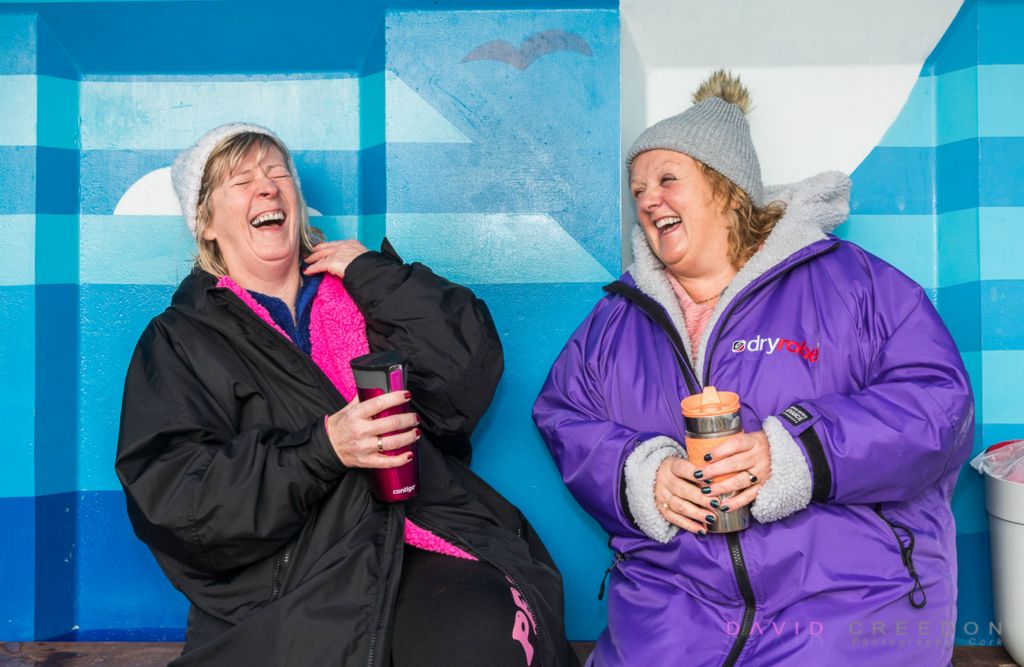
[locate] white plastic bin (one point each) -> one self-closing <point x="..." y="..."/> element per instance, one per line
<point x="1004" y="501"/>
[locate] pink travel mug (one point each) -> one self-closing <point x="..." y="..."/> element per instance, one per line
<point x="380" y="373"/>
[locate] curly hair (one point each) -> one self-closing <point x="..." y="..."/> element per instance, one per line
<point x="750" y="224"/>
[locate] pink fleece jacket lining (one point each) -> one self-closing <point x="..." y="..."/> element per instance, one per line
<point x="337" y="333"/>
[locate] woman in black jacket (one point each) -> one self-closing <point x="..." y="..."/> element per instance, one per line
<point x="244" y="452"/>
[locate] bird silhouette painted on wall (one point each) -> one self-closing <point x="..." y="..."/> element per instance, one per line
<point x="537" y="45"/>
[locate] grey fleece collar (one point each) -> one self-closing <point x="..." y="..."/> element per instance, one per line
<point x="814" y="207"/>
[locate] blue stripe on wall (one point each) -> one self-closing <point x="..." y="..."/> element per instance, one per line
<point x="1001" y="371"/>
<point x="17" y="392"/>
<point x="969" y="502"/>
<point x="1002" y="302"/>
<point x="56" y="557"/>
<point x="57" y="391"/>
<point x="57" y="249"/>
<point x="329" y="178"/>
<point x="18" y="110"/>
<point x="57" y="180"/>
<point x="958" y="247"/>
<point x="969" y="173"/>
<point x="17" y="248"/>
<point x="107" y="175"/>
<point x="956" y="175"/>
<point x="999" y="25"/>
<point x="995" y="433"/>
<point x="960" y="310"/>
<point x="1001" y="171"/>
<point x="905" y="241"/>
<point x="373" y="180"/>
<point x="18" y="165"/>
<point x="122" y="594"/>
<point x="112" y="318"/>
<point x="18" y="44"/>
<point x="53" y="59"/>
<point x="894" y="181"/>
<point x="958" y="47"/>
<point x="58" y="113"/>
<point x="974" y="591"/>
<point x="535" y="321"/>
<point x="17" y="567"/>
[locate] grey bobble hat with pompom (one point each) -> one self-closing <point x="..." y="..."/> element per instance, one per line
<point x="714" y="131"/>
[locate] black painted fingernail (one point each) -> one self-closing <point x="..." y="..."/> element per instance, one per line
<point x="707" y="457"/>
<point x="705" y="490"/>
<point x="698" y="474"/>
<point x="725" y="508"/>
<point x="702" y="532"/>
<point x="710" y="518"/>
<point x="715" y="504"/>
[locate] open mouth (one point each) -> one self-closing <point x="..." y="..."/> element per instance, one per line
<point x="275" y="218"/>
<point x="665" y="224"/>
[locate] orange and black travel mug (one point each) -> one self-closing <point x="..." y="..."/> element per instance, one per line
<point x="712" y="417"/>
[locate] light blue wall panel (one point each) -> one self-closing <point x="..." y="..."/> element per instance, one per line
<point x="956" y="113"/>
<point x="1001" y="371"/>
<point x="1001" y="239"/>
<point x="528" y="153"/>
<point x="18" y="165"/>
<point x="144" y="114"/>
<point x="18" y="110"/>
<point x="905" y="241"/>
<point x="135" y="249"/>
<point x="17" y="247"/>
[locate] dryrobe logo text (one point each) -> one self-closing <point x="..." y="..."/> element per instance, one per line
<point x="769" y="345"/>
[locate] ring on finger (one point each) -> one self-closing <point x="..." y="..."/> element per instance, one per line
<point x="380" y="445"/>
<point x="752" y="477"/>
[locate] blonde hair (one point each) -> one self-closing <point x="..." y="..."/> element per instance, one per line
<point x="750" y="225"/>
<point x="223" y="160"/>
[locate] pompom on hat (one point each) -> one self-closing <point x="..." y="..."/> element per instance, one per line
<point x="714" y="131"/>
<point x="187" y="170"/>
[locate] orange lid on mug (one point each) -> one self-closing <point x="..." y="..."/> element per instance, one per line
<point x="710" y="403"/>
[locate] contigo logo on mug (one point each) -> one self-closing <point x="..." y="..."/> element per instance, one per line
<point x="770" y="345"/>
<point x="404" y="489"/>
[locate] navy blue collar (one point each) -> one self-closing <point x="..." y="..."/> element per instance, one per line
<point x="282" y="315"/>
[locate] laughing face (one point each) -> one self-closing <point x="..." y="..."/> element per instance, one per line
<point x="680" y="215"/>
<point x="254" y="215"/>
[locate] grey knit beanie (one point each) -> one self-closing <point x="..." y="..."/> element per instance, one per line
<point x="187" y="170"/>
<point x="714" y="131"/>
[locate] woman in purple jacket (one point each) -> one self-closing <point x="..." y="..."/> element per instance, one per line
<point x="856" y="409"/>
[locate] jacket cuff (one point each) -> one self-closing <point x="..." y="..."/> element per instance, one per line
<point x="640" y="470"/>
<point x="322" y="458"/>
<point x="788" y="488"/>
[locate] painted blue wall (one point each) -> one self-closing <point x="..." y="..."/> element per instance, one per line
<point x="504" y="178"/>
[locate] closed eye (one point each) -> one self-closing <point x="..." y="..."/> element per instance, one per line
<point x="667" y="178"/>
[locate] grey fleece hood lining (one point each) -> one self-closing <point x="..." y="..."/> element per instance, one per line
<point x="814" y="207"/>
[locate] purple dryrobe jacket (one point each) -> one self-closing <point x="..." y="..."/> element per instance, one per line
<point x="844" y="363"/>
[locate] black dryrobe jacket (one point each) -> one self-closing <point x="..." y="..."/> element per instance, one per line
<point x="230" y="479"/>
